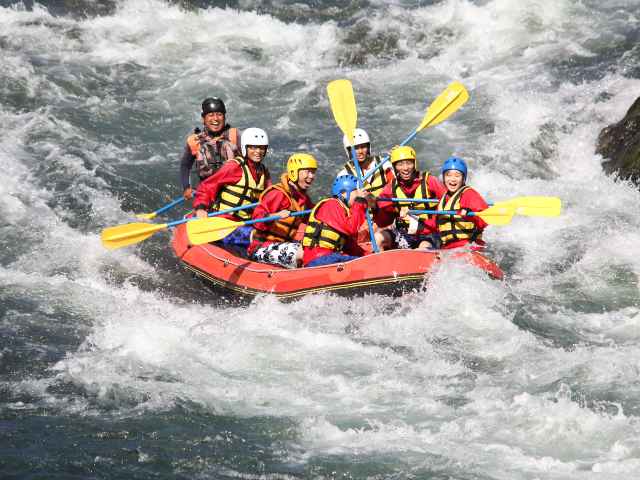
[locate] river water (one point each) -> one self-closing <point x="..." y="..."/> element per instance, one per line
<point x="119" y="365"/>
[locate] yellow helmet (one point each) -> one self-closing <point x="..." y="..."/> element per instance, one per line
<point x="402" y="153"/>
<point x="297" y="162"/>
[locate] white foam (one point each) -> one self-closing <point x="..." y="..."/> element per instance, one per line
<point x="444" y="374"/>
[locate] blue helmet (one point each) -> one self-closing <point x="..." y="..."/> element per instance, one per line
<point x="455" y="163"/>
<point x="344" y="184"/>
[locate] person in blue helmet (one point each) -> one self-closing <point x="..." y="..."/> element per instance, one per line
<point x="331" y="235"/>
<point x="459" y="230"/>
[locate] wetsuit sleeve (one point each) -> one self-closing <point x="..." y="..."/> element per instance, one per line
<point x="186" y="163"/>
<point x="273" y="202"/>
<point x="229" y="174"/>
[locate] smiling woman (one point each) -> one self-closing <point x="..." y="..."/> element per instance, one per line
<point x="117" y="364"/>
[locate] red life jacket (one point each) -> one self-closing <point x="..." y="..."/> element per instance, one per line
<point x="208" y="151"/>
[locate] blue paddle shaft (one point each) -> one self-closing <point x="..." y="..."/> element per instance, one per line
<point x="275" y="217"/>
<point x="169" y="206"/>
<point x="441" y="212"/>
<point x="212" y="214"/>
<point x="408" y="200"/>
<point x="374" y="244"/>
<point x="413" y="200"/>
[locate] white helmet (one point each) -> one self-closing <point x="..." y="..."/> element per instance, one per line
<point x="254" y="137"/>
<point x="360" y="137"/>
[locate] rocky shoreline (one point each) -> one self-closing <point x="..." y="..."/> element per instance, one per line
<point x="619" y="144"/>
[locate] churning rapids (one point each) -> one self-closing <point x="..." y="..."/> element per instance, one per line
<point x="119" y="365"/>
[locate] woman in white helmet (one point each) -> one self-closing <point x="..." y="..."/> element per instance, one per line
<point x="368" y="163"/>
<point x="238" y="183"/>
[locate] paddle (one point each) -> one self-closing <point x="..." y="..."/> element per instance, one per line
<point x="536" y="206"/>
<point x="130" y="233"/>
<point x="448" y="102"/>
<point x="407" y="200"/>
<point x="496" y="215"/>
<point x="533" y="206"/>
<point x="343" y="107"/>
<point x="207" y="230"/>
<point x="168" y="206"/>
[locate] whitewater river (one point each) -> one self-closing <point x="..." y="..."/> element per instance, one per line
<point x="120" y="365"/>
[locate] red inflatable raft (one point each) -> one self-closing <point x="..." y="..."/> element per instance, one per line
<point x="390" y="272"/>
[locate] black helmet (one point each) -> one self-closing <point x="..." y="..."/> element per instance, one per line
<point x="213" y="104"/>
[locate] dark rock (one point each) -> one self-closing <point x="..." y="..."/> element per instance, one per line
<point x="619" y="144"/>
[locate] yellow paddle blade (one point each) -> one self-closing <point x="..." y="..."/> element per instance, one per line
<point x="450" y="100"/>
<point x="497" y="214"/>
<point x="536" y="206"/>
<point x="146" y="216"/>
<point x="206" y="230"/>
<point x="343" y="106"/>
<point x="123" y="235"/>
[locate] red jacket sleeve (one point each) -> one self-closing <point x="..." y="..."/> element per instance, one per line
<point x="206" y="193"/>
<point x="351" y="226"/>
<point x="471" y="200"/>
<point x="334" y="215"/>
<point x="271" y="203"/>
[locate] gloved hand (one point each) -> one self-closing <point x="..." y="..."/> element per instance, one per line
<point x="284" y="213"/>
<point x="463" y="212"/>
<point x="404" y="211"/>
<point x="188" y="193"/>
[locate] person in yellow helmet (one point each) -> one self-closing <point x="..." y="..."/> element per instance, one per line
<point x="274" y="242"/>
<point x="410" y="183"/>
